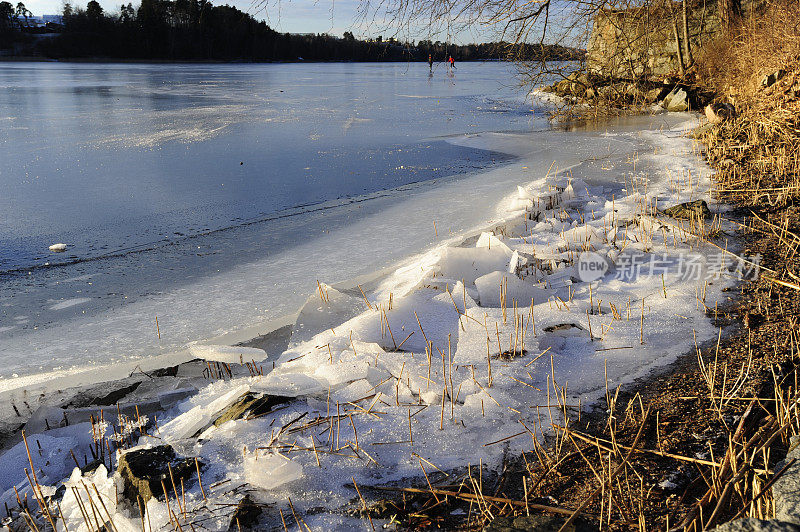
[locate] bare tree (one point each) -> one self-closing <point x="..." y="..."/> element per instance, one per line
<point x="729" y="11"/>
<point x="687" y="45"/>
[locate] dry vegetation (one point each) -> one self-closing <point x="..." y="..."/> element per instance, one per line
<point x="702" y="443"/>
<point x="757" y="154"/>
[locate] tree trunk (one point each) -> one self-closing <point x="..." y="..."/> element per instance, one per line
<point x="728" y="11"/>
<point x="677" y="35"/>
<point x="687" y="45"/>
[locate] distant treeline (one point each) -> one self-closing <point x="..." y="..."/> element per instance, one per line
<point x="196" y="30"/>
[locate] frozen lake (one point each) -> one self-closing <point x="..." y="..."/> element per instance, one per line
<point x="215" y="196"/>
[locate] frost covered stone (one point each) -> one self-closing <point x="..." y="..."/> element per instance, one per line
<point x="690" y="209"/>
<point x="144" y="470"/>
<point x="251" y="405"/>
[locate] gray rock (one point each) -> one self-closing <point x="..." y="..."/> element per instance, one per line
<point x="717" y="112"/>
<point x="689" y="209"/>
<point x="771" y="79"/>
<point x="750" y="524"/>
<point x="144" y="470"/>
<point x="665" y="100"/>
<point x="786" y="490"/>
<point x="251" y="405"/>
<point x="677" y="100"/>
<point x="246" y="516"/>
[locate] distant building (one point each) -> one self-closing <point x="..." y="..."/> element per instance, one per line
<point x="42" y="20"/>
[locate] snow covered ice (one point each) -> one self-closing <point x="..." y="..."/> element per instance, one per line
<point x="457" y="356"/>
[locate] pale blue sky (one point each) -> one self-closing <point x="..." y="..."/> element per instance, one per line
<point x="294" y="16"/>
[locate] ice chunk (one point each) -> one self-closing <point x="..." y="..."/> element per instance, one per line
<point x="58" y="248"/>
<point x="489" y="240"/>
<point x="516" y="290"/>
<point x="514" y="263"/>
<point x="327" y="307"/>
<point x="189" y="423"/>
<point x="336" y="374"/>
<point x="430" y="397"/>
<point x="227" y="354"/>
<point x="270" y="471"/>
<point x="516" y="204"/>
<point x="577" y="237"/>
<point x="469" y="264"/>
<point x="102" y="494"/>
<point x="481" y="402"/>
<point x="353" y="391"/>
<point x="576" y="189"/>
<point x="52" y="462"/>
<point x="289" y="384"/>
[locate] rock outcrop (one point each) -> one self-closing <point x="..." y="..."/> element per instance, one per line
<point x="581" y="87"/>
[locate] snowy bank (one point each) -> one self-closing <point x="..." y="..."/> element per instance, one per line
<point x="464" y="354"/>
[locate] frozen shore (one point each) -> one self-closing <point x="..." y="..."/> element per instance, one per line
<point x="457" y="357"/>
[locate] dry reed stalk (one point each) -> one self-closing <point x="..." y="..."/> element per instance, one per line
<point x="610" y="477"/>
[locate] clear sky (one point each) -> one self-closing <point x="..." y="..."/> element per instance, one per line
<point x="294" y="16"/>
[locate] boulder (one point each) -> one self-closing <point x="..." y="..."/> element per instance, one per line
<point x="251" y="405"/>
<point x="786" y="490"/>
<point x="717" y="112"/>
<point x="771" y="79"/>
<point x="144" y="470"/>
<point x="690" y="209"/>
<point x="751" y="524"/>
<point x="677" y="100"/>
<point x="563" y="87"/>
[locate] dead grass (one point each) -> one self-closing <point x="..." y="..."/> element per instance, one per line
<point x="700" y="444"/>
<point x="758" y="152"/>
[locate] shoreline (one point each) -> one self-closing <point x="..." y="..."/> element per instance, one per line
<point x="678" y="437"/>
<point x="407" y="285"/>
<point x="102" y="60"/>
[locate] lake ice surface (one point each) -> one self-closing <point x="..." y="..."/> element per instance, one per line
<point x="214" y="196"/>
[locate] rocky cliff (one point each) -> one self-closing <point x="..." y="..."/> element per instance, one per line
<point x="640" y="42"/>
